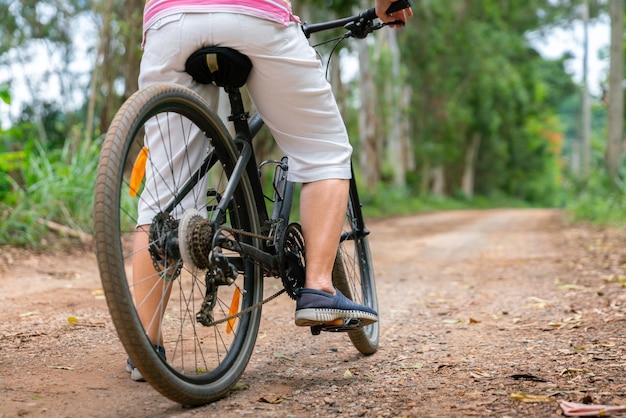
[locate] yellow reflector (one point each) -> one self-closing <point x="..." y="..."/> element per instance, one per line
<point x="139" y="170"/>
<point x="234" y="308"/>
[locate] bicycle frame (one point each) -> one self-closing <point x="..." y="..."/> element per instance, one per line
<point x="246" y="129"/>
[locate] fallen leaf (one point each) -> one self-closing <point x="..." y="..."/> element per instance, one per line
<point x="474" y="321"/>
<point x="539" y="301"/>
<point x="273" y="400"/>
<point x="452" y="321"/>
<point x="348" y="374"/>
<point x="530" y="377"/>
<point x="479" y="375"/>
<point x="570" y="287"/>
<point x="607" y="345"/>
<point x="72" y="321"/>
<point x="616" y="279"/>
<point x="574" y="370"/>
<point x="414" y="366"/>
<point x="60" y="367"/>
<point x="240" y="386"/>
<point x="525" y="397"/>
<point x="281" y="355"/>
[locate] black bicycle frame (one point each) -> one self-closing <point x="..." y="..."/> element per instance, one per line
<point x="246" y="128"/>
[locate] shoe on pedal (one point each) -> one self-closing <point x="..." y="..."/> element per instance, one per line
<point x="315" y="307"/>
<point x="135" y="374"/>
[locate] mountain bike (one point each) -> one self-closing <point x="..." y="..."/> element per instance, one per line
<point x="212" y="260"/>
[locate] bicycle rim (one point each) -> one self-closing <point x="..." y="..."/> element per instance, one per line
<point x="203" y="361"/>
<point x="353" y="275"/>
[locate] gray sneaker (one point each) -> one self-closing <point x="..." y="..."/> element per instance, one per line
<point x="315" y="307"/>
<point x="135" y="374"/>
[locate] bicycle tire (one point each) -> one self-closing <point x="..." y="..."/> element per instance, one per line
<point x="353" y="274"/>
<point x="203" y="362"/>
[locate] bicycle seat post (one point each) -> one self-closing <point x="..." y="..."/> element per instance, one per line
<point x="238" y="116"/>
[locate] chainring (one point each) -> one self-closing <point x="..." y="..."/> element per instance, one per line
<point x="164" y="246"/>
<point x="291" y="259"/>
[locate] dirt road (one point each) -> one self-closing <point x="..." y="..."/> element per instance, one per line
<point x="483" y="313"/>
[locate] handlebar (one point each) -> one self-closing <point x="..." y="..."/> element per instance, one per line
<point x="359" y="25"/>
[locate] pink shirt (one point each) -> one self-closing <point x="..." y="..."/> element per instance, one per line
<point x="275" y="10"/>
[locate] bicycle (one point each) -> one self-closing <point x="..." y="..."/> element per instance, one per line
<point x="212" y="261"/>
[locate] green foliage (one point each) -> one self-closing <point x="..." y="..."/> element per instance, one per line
<point x="595" y="200"/>
<point x="5" y="93"/>
<point x="477" y="81"/>
<point x="58" y="186"/>
<point x="383" y="202"/>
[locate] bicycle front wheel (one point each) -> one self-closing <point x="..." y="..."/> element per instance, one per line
<point x="353" y="272"/>
<point x="167" y="153"/>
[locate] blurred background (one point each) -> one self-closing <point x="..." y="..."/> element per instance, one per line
<point x="474" y="104"/>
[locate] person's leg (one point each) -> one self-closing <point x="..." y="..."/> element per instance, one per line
<point x="171" y="159"/>
<point x="150" y="291"/>
<point x="322" y="213"/>
<point x="290" y="91"/>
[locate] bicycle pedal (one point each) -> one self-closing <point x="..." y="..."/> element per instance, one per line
<point x="338" y="325"/>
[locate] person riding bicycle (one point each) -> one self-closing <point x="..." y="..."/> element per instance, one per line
<point x="289" y="89"/>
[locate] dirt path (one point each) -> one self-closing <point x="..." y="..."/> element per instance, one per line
<point x="480" y="311"/>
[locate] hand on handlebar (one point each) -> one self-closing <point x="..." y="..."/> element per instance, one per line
<point x="399" y="16"/>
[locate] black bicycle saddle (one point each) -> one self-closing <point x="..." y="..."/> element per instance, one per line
<point x="222" y="66"/>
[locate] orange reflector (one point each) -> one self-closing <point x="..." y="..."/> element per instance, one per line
<point x="139" y="170"/>
<point x="234" y="308"/>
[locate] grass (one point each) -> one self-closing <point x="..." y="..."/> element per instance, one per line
<point x="54" y="186"/>
<point x="57" y="186"/>
<point x="384" y="202"/>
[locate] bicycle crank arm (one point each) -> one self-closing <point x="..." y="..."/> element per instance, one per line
<point x="268" y="261"/>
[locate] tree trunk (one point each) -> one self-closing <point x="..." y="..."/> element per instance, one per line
<point x="613" y="152"/>
<point x="395" y="139"/>
<point x="407" y="153"/>
<point x="368" y="158"/>
<point x="585" y="164"/>
<point x="469" y="168"/>
<point x="439" y="181"/>
<point x="133" y="18"/>
<point x="95" y="79"/>
<point x="108" y="68"/>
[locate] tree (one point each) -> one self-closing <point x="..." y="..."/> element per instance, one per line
<point x="29" y="27"/>
<point x="614" y="150"/>
<point x="116" y="68"/>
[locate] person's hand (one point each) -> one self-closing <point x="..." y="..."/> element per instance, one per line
<point x="400" y="15"/>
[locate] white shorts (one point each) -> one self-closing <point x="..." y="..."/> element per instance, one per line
<point x="287" y="85"/>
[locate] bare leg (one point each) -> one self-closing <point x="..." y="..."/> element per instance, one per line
<point x="150" y="292"/>
<point x="322" y="211"/>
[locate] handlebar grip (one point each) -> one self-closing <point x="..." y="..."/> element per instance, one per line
<point x="398" y="5"/>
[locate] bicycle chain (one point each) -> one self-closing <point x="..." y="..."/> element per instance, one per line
<point x="249" y="234"/>
<point x="249" y="309"/>
<point x="256" y="305"/>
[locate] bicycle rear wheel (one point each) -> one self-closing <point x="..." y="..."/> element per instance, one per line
<point x="353" y="272"/>
<point x="203" y="361"/>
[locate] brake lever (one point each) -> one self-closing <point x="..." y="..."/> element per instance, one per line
<point x="360" y="28"/>
<point x="395" y="22"/>
<point x="363" y="32"/>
